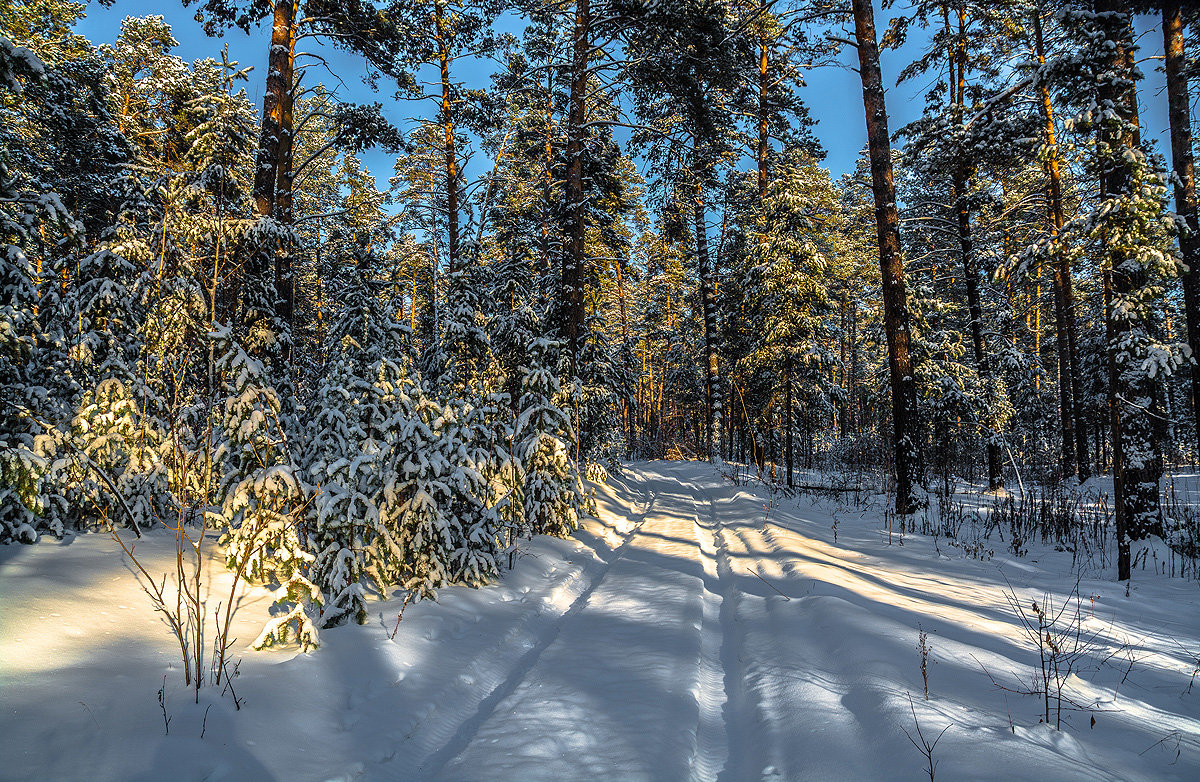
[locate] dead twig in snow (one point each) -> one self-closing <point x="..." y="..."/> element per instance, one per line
<point x="925" y="747"/>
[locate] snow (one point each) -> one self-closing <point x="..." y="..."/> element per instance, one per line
<point x="694" y="630"/>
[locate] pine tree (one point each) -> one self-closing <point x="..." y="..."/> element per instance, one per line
<point x="362" y="386"/>
<point x="895" y="299"/>
<point x="1184" y="180"/>
<point x="22" y="211"/>
<point x="552" y="492"/>
<point x="700" y="131"/>
<point x="262" y="496"/>
<point x="1137" y="266"/>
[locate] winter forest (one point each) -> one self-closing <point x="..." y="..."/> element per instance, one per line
<point x="517" y="390"/>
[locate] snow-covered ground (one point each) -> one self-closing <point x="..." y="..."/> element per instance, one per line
<point x="693" y="631"/>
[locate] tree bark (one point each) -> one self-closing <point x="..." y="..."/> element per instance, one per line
<point x="269" y="268"/>
<point x="446" y="116"/>
<point x="573" y="259"/>
<point x="957" y="54"/>
<point x="789" y="425"/>
<point x="975" y="311"/>
<point x="764" y="140"/>
<point x="1185" y="187"/>
<point x="1136" y="460"/>
<point x="712" y="375"/>
<point x="1074" y="428"/>
<point x="285" y="278"/>
<point x="891" y="262"/>
<point x="548" y="172"/>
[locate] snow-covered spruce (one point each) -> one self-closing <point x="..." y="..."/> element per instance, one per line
<point x="262" y="498"/>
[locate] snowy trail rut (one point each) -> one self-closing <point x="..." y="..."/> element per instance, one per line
<point x="540" y="640"/>
<point x="581" y="710"/>
<point x="646" y="675"/>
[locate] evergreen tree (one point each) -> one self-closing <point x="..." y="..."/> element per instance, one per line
<point x="262" y="496"/>
<point x="362" y="386"/>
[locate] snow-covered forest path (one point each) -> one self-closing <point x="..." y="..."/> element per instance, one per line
<point x="719" y="637"/>
<point x="695" y="630"/>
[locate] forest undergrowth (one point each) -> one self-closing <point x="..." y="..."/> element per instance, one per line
<point x="970" y="521"/>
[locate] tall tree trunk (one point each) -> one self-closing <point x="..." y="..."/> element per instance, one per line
<point x="764" y="140"/>
<point x="712" y="376"/>
<point x="1114" y="424"/>
<point x="891" y="262"/>
<point x="1074" y="428"/>
<point x="1185" y="187"/>
<point x="548" y="171"/>
<point x="788" y="423"/>
<point x="1136" y="460"/>
<point x="975" y="310"/>
<point x="269" y="268"/>
<point x="285" y="278"/>
<point x="573" y="258"/>
<point x="957" y="54"/>
<point x="446" y="116"/>
<point x="279" y="73"/>
<point x="855" y="406"/>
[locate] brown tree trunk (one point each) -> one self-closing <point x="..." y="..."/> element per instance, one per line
<point x="573" y="259"/>
<point x="279" y="83"/>
<point x="995" y="464"/>
<point x="1185" y="187"/>
<point x="712" y="376"/>
<point x="957" y="53"/>
<point x="627" y="415"/>
<point x="764" y="140"/>
<point x="855" y="406"/>
<point x="788" y="424"/>
<point x="548" y="172"/>
<point x="1136" y="464"/>
<point x="285" y="279"/>
<point x="1114" y="424"/>
<point x="269" y="268"/>
<point x="891" y="262"/>
<point x="446" y="117"/>
<point x="1074" y="434"/>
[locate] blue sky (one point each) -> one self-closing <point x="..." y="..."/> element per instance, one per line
<point x="833" y="93"/>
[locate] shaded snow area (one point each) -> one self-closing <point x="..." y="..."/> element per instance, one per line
<point x="695" y="630"/>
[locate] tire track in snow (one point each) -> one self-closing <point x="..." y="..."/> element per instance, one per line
<point x="499" y="685"/>
<point x="747" y="756"/>
<point x="765" y="653"/>
<point x="712" y="740"/>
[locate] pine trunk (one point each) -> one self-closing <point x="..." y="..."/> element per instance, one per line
<point x="891" y="263"/>
<point x="269" y="269"/>
<point x="573" y="258"/>
<point x="548" y="173"/>
<point x="764" y="141"/>
<point x="1185" y="187"/>
<point x="958" y="68"/>
<point x="1136" y="458"/>
<point x="285" y="278"/>
<point x="789" y="425"/>
<point x="1074" y="432"/>
<point x="712" y="377"/>
<point x="448" y="140"/>
<point x="975" y="311"/>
